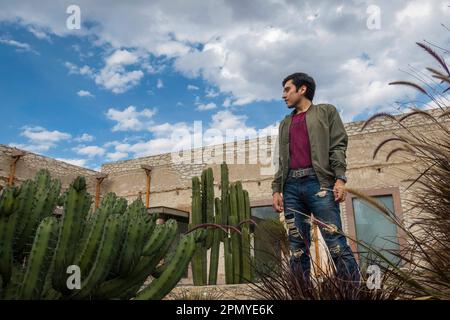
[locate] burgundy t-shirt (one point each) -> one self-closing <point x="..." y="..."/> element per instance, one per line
<point x="299" y="147"/>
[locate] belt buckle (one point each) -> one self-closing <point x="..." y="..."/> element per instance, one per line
<point x="298" y="173"/>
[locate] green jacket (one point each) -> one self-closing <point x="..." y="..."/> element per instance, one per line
<point x="328" y="140"/>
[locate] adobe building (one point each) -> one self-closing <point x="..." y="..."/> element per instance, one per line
<point x="168" y="182"/>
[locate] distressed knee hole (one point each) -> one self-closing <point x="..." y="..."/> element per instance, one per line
<point x="297" y="253"/>
<point x="295" y="233"/>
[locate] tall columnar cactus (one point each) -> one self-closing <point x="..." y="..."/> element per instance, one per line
<point x="44" y="201"/>
<point x="8" y="219"/>
<point x="228" y="256"/>
<point x="215" y="246"/>
<point x="246" y="246"/>
<point x="40" y="259"/>
<point x="75" y="211"/>
<point x="199" y="258"/>
<point x="232" y="209"/>
<point x="208" y="202"/>
<point x="116" y="248"/>
<point x="235" y="238"/>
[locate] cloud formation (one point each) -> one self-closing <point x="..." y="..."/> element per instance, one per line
<point x="245" y="48"/>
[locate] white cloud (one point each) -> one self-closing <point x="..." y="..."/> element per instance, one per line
<point x="226" y="103"/>
<point x="85" y="137"/>
<point x="209" y="106"/>
<point x="114" y="76"/>
<point x="122" y="57"/>
<point x="111" y="144"/>
<point x="244" y="49"/>
<point x="225" y="119"/>
<point x="159" y="84"/>
<point x="130" y="119"/>
<point x="414" y="12"/>
<point x="84" y="70"/>
<point x="40" y="139"/>
<point x="75" y="162"/>
<point x="115" y="156"/>
<point x="39" y="134"/>
<point x="192" y="87"/>
<point x="90" y="151"/>
<point x="211" y="93"/>
<point x="165" y="129"/>
<point x="20" y="46"/>
<point x="39" y="33"/>
<point x="116" y="79"/>
<point x="156" y="146"/>
<point x="84" y="93"/>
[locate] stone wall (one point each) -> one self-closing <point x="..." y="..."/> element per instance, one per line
<point x="171" y="182"/>
<point x="30" y="163"/>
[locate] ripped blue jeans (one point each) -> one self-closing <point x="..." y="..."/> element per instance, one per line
<point x="306" y="196"/>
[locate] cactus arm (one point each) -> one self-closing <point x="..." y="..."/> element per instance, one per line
<point x="39" y="259"/>
<point x="24" y="208"/>
<point x="69" y="232"/>
<point x="86" y="256"/>
<point x="161" y="240"/>
<point x="161" y="286"/>
<point x="7" y="225"/>
<point x="7" y="200"/>
<point x="103" y="261"/>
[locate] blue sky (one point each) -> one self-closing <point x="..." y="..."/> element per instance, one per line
<point x="117" y="88"/>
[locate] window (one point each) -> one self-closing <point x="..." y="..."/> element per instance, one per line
<point x="268" y="236"/>
<point x="369" y="225"/>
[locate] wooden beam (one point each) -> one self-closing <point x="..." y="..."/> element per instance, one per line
<point x="99" y="179"/>
<point x="16" y="155"/>
<point x="148" y="173"/>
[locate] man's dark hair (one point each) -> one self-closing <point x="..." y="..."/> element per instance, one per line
<point x="299" y="79"/>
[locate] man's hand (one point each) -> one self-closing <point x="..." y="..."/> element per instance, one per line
<point x="278" y="202"/>
<point x="339" y="190"/>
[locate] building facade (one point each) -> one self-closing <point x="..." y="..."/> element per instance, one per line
<point x="169" y="181"/>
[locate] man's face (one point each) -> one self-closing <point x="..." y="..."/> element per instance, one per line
<point x="290" y="94"/>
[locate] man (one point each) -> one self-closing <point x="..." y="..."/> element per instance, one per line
<point x="311" y="175"/>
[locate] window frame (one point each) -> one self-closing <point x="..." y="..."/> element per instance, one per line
<point x="371" y="192"/>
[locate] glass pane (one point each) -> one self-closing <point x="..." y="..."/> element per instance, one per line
<point x="375" y="229"/>
<point x="266" y="245"/>
<point x="266" y="212"/>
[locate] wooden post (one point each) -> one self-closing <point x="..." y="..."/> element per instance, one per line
<point x="148" y="173"/>
<point x="100" y="179"/>
<point x="16" y="155"/>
